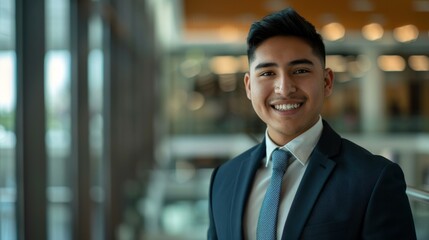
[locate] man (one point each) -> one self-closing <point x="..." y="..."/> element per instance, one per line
<point x="332" y="188"/>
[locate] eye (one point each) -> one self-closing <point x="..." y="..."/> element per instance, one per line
<point x="266" y="74"/>
<point x="301" y="71"/>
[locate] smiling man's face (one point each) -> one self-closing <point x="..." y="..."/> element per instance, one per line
<point x="287" y="84"/>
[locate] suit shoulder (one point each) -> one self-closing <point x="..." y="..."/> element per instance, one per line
<point x="345" y="151"/>
<point x="361" y="155"/>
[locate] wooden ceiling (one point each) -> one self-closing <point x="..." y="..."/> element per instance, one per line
<point x="209" y="16"/>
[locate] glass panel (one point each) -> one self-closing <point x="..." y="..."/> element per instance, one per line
<point x="58" y="117"/>
<point x="58" y="143"/>
<point x="7" y="120"/>
<point x="7" y="145"/>
<point x="95" y="79"/>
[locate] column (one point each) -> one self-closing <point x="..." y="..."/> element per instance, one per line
<point x="30" y="120"/>
<point x="372" y="98"/>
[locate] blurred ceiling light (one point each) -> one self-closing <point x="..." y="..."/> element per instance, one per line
<point x="419" y="62"/>
<point x="229" y="33"/>
<point x="195" y="101"/>
<point x="391" y="63"/>
<point x="372" y="31"/>
<point x="190" y="68"/>
<point x="244" y="63"/>
<point x="337" y="63"/>
<point x="333" y="31"/>
<point x="406" y="33"/>
<point x="224" y="65"/>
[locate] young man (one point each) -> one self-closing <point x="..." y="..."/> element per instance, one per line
<point x="332" y="188"/>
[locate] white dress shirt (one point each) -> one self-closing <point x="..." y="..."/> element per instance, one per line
<point x="301" y="148"/>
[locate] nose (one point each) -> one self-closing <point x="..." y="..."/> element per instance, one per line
<point x="284" y="86"/>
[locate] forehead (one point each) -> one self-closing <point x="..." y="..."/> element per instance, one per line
<point x="284" y="49"/>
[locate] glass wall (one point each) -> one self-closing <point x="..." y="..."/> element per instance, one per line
<point x="58" y="118"/>
<point x="8" y="185"/>
<point x="164" y="110"/>
<point x="96" y="123"/>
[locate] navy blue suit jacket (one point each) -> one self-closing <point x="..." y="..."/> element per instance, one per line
<point x="346" y="193"/>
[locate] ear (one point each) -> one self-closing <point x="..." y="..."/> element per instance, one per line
<point x="247" y="85"/>
<point x="328" y="81"/>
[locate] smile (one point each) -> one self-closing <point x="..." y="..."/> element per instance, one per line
<point x="285" y="107"/>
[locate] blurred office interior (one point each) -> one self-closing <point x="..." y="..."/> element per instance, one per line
<point x="113" y="113"/>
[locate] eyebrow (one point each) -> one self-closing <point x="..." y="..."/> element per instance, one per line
<point x="265" y="65"/>
<point x="292" y="63"/>
<point x="301" y="61"/>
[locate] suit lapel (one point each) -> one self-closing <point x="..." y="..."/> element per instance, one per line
<point x="320" y="166"/>
<point x="318" y="171"/>
<point x="243" y="186"/>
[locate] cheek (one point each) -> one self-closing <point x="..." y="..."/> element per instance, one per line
<point x="319" y="90"/>
<point x="258" y="93"/>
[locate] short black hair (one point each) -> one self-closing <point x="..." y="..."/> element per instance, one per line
<point x="286" y="22"/>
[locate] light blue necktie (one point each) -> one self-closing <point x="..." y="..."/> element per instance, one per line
<point x="267" y="222"/>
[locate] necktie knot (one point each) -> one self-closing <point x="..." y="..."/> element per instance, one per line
<point x="280" y="159"/>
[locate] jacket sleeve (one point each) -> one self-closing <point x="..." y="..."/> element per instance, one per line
<point x="211" y="233"/>
<point x="388" y="214"/>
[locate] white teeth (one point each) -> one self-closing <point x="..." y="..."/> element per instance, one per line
<point x="284" y="107"/>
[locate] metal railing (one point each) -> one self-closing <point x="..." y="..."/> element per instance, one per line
<point x="418" y="194"/>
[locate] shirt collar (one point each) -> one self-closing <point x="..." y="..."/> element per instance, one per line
<point x="300" y="147"/>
